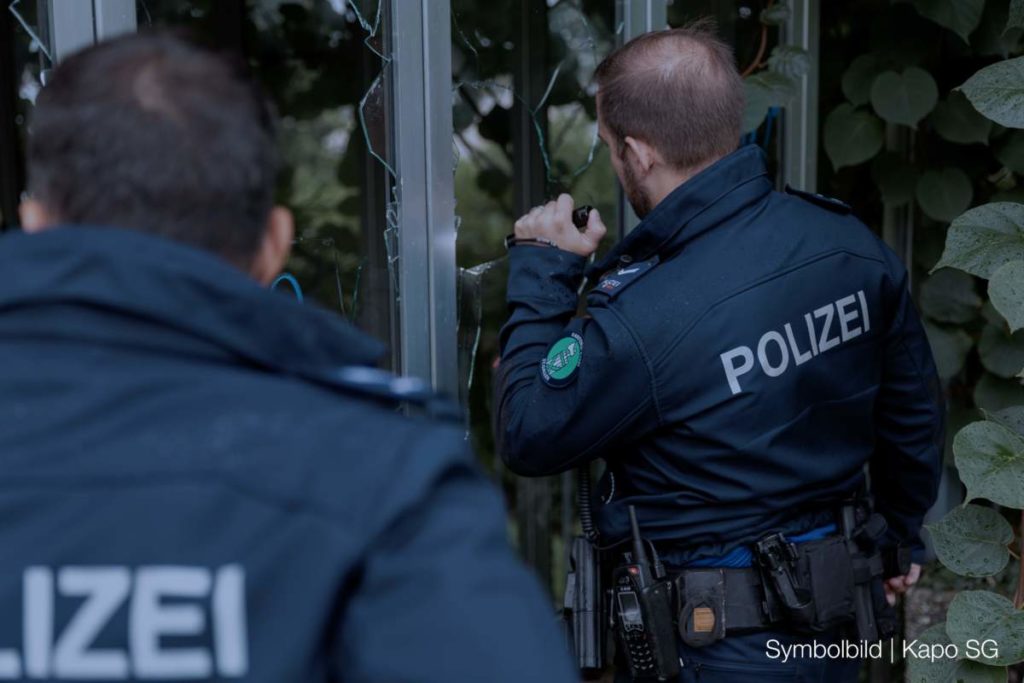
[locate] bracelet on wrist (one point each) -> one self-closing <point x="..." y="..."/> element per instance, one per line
<point x="513" y="241"/>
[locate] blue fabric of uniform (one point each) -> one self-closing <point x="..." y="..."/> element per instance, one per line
<point x="158" y="407"/>
<point x="743" y="556"/>
<point x="711" y="467"/>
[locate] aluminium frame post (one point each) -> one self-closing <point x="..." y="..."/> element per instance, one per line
<point x="633" y="18"/>
<point x="421" y="73"/>
<point x="70" y="25"/>
<point x="800" y="117"/>
<point x="114" y="17"/>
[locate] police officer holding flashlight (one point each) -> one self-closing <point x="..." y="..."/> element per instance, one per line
<point x="748" y="361"/>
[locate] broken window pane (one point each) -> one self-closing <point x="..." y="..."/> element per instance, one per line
<point x="320" y="62"/>
<point x="23" y="60"/>
<point x="525" y="131"/>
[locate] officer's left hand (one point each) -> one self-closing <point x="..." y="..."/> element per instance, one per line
<point x="898" y="585"/>
<point x="553" y="222"/>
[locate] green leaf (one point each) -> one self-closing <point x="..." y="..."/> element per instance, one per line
<point x="971" y="540"/>
<point x="790" y="61"/>
<point x="927" y="669"/>
<point x="985" y="238"/>
<point x="1006" y="290"/>
<point x="1002" y="354"/>
<point x="758" y="101"/>
<point x="997" y="91"/>
<point x="852" y="137"/>
<point x="944" y="194"/>
<point x="990" y="460"/>
<point x="957" y="121"/>
<point x="993" y="393"/>
<point x="1016" y="16"/>
<point x="1010" y="151"/>
<point x="896" y="178"/>
<point x="780" y="87"/>
<point x="959" y="16"/>
<point x="904" y="98"/>
<point x="983" y="615"/>
<point x="948" y="296"/>
<point x="776" y="15"/>
<point x="859" y="76"/>
<point x="1012" y="418"/>
<point x="949" y="347"/>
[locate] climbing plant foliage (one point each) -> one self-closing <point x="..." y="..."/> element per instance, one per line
<point x="932" y="111"/>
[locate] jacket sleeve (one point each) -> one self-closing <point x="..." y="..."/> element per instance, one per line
<point x="910" y="418"/>
<point x="544" y="428"/>
<point x="441" y="597"/>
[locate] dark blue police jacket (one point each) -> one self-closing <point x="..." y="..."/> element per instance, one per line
<point x="192" y="489"/>
<point x="744" y="354"/>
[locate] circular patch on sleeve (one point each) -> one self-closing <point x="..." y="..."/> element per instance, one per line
<point x="560" y="366"/>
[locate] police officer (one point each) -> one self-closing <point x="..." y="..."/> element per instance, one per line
<point x="744" y="355"/>
<point x="203" y="479"/>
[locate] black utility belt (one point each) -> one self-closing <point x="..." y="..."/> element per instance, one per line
<point x="811" y="587"/>
<point x="715" y="602"/>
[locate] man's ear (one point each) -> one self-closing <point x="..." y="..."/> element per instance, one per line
<point x="275" y="247"/>
<point x="35" y="217"/>
<point x="643" y="154"/>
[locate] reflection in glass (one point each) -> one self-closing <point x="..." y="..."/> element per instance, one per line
<point x="21" y="63"/>
<point x="320" y="63"/>
<point x="525" y="131"/>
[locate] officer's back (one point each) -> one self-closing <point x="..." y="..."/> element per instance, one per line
<point x="203" y="479"/>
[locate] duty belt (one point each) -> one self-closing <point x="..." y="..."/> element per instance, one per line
<point x="714" y="602"/>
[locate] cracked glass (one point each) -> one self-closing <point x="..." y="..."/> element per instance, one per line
<point x="525" y="131"/>
<point x="21" y="66"/>
<point x="321" y="63"/>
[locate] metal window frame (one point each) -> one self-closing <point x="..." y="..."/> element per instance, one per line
<point x="636" y="17"/>
<point x="71" y="26"/>
<point x="422" y="136"/>
<point x="800" y="117"/>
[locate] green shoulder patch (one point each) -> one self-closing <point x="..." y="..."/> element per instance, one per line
<point x="563" y="360"/>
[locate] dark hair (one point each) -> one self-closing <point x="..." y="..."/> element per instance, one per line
<point x="678" y="90"/>
<point x="153" y="133"/>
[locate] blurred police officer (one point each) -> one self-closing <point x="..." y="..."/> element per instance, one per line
<point x="744" y="355"/>
<point x="203" y="479"/>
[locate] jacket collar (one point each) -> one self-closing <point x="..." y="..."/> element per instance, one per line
<point x="694" y="207"/>
<point x="174" y="287"/>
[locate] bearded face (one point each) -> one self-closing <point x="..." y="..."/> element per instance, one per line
<point x="637" y="195"/>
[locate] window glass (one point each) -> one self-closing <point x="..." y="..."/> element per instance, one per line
<point x="21" y="63"/>
<point x="320" y="62"/>
<point x="525" y="131"/>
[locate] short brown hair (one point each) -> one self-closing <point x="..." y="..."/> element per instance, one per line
<point x="678" y="90"/>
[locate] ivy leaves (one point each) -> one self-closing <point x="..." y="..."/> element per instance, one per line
<point x="944" y="193"/>
<point x="956" y="120"/>
<point x="985" y="238"/>
<point x="776" y="85"/>
<point x="852" y="137"/>
<point x="957" y="669"/>
<point x="990" y="459"/>
<point x="972" y="541"/>
<point x="1006" y="291"/>
<point x="997" y="91"/>
<point x="959" y="16"/>
<point x="982" y="615"/>
<point x="854" y="134"/>
<point x="906" y="97"/>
